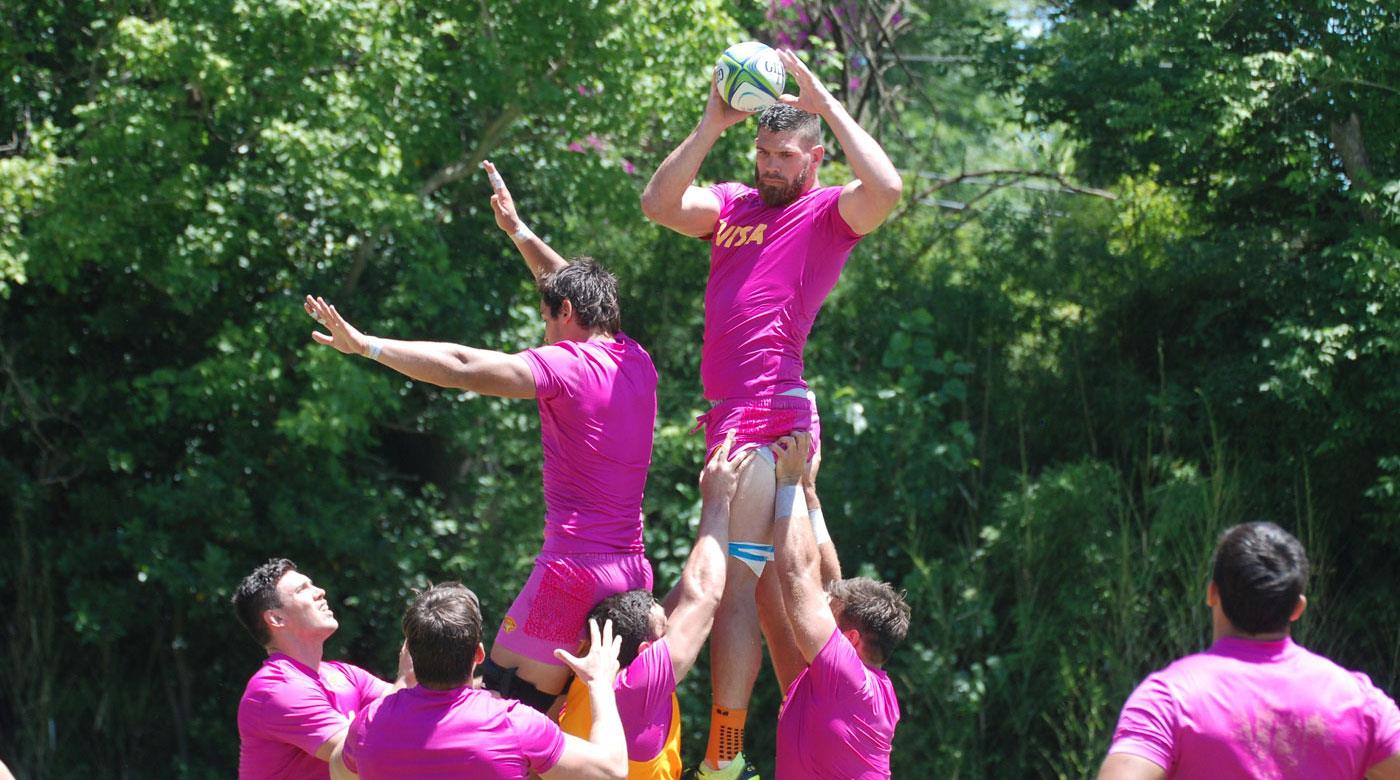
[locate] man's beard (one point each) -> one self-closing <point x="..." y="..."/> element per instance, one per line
<point x="782" y="194"/>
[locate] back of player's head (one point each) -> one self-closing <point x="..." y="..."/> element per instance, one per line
<point x="443" y="629"/>
<point x="1260" y="571"/>
<point x="257" y="593"/>
<point x="589" y="288"/>
<point x="630" y="612"/>
<point x="876" y="610"/>
<point x="782" y="118"/>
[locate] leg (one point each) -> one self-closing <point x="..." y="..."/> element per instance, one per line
<point x="736" y="652"/>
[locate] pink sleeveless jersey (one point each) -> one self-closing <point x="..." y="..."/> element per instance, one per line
<point x="597" y="403"/>
<point x="839" y="718"/>
<point x="770" y="270"/>
<point x="1244" y="710"/>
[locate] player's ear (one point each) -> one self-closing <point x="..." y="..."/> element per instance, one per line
<point x="1298" y="608"/>
<point x="271" y="618"/>
<point x="818" y="154"/>
<point x="566" y="309"/>
<point x="479" y="656"/>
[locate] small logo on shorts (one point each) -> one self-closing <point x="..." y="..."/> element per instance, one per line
<point x="508" y="624"/>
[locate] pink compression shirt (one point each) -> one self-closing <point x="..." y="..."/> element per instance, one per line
<point x="1246" y="709"/>
<point x="458" y="733"/>
<point x="289" y="710"/>
<point x="839" y="718"/>
<point x="770" y="270"/>
<point x="597" y="402"/>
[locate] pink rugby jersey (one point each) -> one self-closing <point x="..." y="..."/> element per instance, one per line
<point x="839" y="718"/>
<point x="459" y="733"/>
<point x="289" y="710"/>
<point x="597" y="402"/>
<point x="1246" y="709"/>
<point x="770" y="270"/>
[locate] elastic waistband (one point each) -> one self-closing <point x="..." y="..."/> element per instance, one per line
<point x="767" y="400"/>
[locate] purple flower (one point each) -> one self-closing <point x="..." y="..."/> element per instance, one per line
<point x="576" y="147"/>
<point x="628" y="167"/>
<point x="596" y="142"/>
<point x="854" y="83"/>
<point x="896" y="19"/>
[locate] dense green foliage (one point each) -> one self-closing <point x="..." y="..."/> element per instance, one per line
<point x="1145" y="283"/>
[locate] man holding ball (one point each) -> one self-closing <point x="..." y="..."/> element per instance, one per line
<point x="776" y="251"/>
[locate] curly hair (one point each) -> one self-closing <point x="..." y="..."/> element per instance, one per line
<point x="589" y="288"/>
<point x="876" y="610"/>
<point x="257" y="593"/>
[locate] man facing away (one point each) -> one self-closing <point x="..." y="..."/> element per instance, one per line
<point x="296" y="708"/>
<point x="660" y="642"/>
<point x="777" y="250"/>
<point x="596" y="393"/>
<point x="838" y="718"/>
<point x="443" y="727"/>
<point x="1256" y="705"/>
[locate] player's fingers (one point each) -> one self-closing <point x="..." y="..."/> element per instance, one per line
<point x="322" y="338"/>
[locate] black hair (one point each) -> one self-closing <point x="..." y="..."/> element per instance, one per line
<point x="630" y="613"/>
<point x="589" y="288"/>
<point x="257" y="593"/>
<point x="782" y="118"/>
<point x="1260" y="571"/>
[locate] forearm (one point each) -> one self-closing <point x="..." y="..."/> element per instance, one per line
<point x="539" y="256"/>
<point x="867" y="158"/>
<point x="606" y="734"/>
<point x="667" y="187"/>
<point x="830" y="562"/>
<point x="794" y="547"/>
<point x="435" y="362"/>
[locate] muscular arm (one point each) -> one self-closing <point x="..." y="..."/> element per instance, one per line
<point x="867" y="200"/>
<point x="697" y="595"/>
<point x="1122" y="766"/>
<point x="1388" y="769"/>
<point x="539" y="257"/>
<point x="603" y="756"/>
<point x="670" y="199"/>
<point x="795" y="554"/>
<point x="446" y="365"/>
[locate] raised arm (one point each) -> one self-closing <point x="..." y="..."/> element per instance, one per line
<point x="670" y="199"/>
<point x="538" y="255"/>
<point x="603" y="756"/>
<point x="696" y="597"/>
<point x="446" y="365"/>
<point x="872" y="195"/>
<point x="826" y="548"/>
<point x="795" y="551"/>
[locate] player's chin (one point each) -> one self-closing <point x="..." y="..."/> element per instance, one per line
<point x="773" y="195"/>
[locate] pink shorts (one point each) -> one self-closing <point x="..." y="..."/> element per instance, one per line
<point x="552" y="609"/>
<point x="758" y="422"/>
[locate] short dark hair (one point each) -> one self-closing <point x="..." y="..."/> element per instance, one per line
<point x="443" y="629"/>
<point x="1260" y="571"/>
<point x="876" y="610"/>
<point x="630" y="613"/>
<point x="589" y="287"/>
<point x="783" y="118"/>
<point x="257" y="593"/>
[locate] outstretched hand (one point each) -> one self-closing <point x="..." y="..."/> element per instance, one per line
<point x="501" y="201"/>
<point x="791" y="454"/>
<point x="720" y="477"/>
<point x="343" y="336"/>
<point x="812" y="96"/>
<point x="600" y="662"/>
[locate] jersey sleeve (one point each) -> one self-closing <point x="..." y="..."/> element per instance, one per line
<point x="1147" y="725"/>
<point x="726" y="192"/>
<point x="553" y="367"/>
<point x="541" y="740"/>
<point x="1385" y="722"/>
<point x="837" y="670"/>
<point x="835" y="224"/>
<point x="299" y="713"/>
<point x="645" y="695"/>
<point x="369" y="686"/>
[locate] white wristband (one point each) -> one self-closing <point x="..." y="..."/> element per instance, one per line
<point x="375" y="347"/>
<point x="819" y="525"/>
<point x="789" y="501"/>
<point x="523" y="234"/>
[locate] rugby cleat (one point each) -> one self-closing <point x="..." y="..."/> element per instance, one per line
<point x="738" y="769"/>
